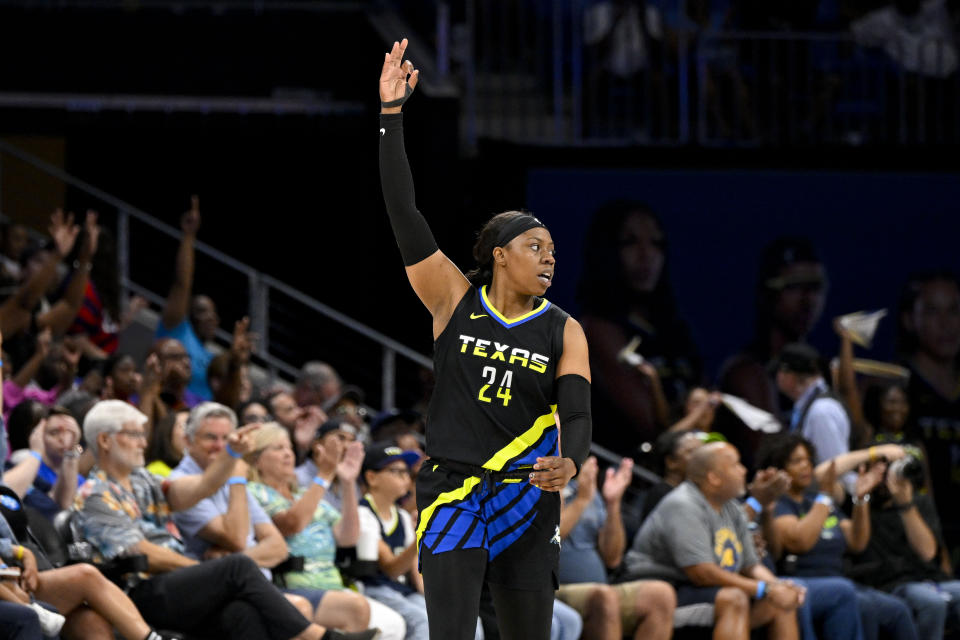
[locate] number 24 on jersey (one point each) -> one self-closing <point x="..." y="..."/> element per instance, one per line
<point x="503" y="390"/>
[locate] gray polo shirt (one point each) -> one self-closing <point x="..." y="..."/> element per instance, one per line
<point x="684" y="530"/>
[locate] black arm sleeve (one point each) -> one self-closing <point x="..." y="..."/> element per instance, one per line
<point x="576" y="428"/>
<point x="409" y="226"/>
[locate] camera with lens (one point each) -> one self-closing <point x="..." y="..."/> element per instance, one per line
<point x="909" y="467"/>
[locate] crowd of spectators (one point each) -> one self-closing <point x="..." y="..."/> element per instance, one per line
<point x="635" y="49"/>
<point x="290" y="508"/>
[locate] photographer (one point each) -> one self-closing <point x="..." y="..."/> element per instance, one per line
<point x="814" y="534"/>
<point x="901" y="556"/>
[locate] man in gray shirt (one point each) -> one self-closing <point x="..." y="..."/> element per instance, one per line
<point x="697" y="539"/>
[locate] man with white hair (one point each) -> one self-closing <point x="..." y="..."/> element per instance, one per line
<point x="231" y="520"/>
<point x="124" y="510"/>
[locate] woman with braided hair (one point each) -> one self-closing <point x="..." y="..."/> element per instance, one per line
<point x="507" y="361"/>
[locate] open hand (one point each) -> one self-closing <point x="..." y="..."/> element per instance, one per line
<point x="617" y="481"/>
<point x="63" y="231"/>
<point x="351" y="461"/>
<point x="396" y="74"/>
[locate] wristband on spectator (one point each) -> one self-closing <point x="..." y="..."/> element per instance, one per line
<point x="1" y="363"/>
<point x="237" y="480"/>
<point x="232" y="453"/>
<point x="754" y="504"/>
<point x="36" y="455"/>
<point x="321" y="481"/>
<point x="857" y="501"/>
<point x="19" y="554"/>
<point x="825" y="500"/>
<point x="872" y="452"/>
<point x="761" y="589"/>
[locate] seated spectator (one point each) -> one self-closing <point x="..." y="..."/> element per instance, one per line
<point x="928" y="343"/>
<point x="14" y="238"/>
<point x="123" y="509"/>
<point x="91" y="604"/>
<point x="334" y="434"/>
<point x="814" y="535"/>
<point x="403" y="427"/>
<point x="33" y="307"/>
<point x="168" y="380"/>
<point x="673" y="450"/>
<point x="397" y="583"/>
<point x="19" y="386"/>
<point x="191" y="320"/>
<point x="594" y="540"/>
<point x="901" y="557"/>
<point x="699" y="410"/>
<point x="301" y="423"/>
<point x="57" y="480"/>
<point x="231" y="520"/>
<point x="312" y="528"/>
<point x="697" y="538"/>
<point x="627" y="293"/>
<point x="317" y="385"/>
<point x="348" y="404"/>
<point x="121" y="381"/>
<point x="167" y="443"/>
<point x="253" y="411"/>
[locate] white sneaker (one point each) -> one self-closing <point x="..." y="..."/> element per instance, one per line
<point x="50" y="622"/>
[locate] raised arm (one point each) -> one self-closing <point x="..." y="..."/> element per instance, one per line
<point x="436" y="280"/>
<point x="178" y="300"/>
<point x="62" y="313"/>
<point x="186" y="491"/>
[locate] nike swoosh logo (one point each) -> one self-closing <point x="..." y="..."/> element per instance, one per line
<point x="382" y="131"/>
<point x="474" y="316"/>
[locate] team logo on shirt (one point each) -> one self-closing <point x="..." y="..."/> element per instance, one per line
<point x="727" y="549"/>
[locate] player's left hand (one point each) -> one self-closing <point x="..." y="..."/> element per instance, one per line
<point x="552" y="473"/>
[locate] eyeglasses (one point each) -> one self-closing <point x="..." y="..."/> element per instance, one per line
<point x="133" y="435"/>
<point x="256" y="418"/>
<point x="397" y="471"/>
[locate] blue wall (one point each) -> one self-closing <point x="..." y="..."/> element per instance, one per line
<point x="870" y="229"/>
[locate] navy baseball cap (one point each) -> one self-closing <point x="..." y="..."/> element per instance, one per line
<point x="380" y="454"/>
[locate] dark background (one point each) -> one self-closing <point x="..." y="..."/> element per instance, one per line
<point x="297" y="196"/>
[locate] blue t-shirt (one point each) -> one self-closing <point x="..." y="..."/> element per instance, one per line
<point x="826" y="556"/>
<point x="200" y="357"/>
<point x="579" y="559"/>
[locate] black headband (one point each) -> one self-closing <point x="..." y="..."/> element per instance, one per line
<point x="515" y="227"/>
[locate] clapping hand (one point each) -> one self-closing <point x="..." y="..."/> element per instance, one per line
<point x="617" y="481"/>
<point x="243" y="340"/>
<point x="352" y="459"/>
<point x="396" y="75"/>
<point x="768" y="485"/>
<point x="869" y="478"/>
<point x="63" y="232"/>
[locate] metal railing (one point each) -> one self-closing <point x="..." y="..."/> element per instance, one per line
<point x="566" y="73"/>
<point x="261" y="290"/>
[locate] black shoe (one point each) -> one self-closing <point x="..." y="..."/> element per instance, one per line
<point x="369" y="634"/>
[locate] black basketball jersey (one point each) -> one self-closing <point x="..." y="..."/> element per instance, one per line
<point x="494" y="400"/>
